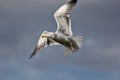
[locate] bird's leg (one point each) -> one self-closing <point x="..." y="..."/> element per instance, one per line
<point x="66" y="51"/>
<point x="72" y="47"/>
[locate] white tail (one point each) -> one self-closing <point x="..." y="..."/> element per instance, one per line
<point x="78" y="40"/>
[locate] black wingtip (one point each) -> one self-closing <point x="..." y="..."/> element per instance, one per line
<point x="73" y="1"/>
<point x="34" y="52"/>
<point x="32" y="55"/>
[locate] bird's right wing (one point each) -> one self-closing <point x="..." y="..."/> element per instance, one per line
<point x="62" y="18"/>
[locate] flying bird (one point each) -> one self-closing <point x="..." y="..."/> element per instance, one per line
<point x="63" y="35"/>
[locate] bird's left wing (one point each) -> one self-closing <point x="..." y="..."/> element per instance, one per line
<point x="41" y="43"/>
<point x="62" y="18"/>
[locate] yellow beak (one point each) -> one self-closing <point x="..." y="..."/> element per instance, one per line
<point x="44" y="35"/>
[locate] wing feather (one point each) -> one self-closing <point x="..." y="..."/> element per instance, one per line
<point x="62" y="18"/>
<point x="41" y="43"/>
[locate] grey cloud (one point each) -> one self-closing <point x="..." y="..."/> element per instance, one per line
<point x="22" y="22"/>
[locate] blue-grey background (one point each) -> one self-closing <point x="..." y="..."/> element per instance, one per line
<point x="22" y="22"/>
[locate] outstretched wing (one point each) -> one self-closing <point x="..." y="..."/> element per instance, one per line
<point x="41" y="43"/>
<point x="62" y="18"/>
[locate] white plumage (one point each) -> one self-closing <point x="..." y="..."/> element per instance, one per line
<point x="63" y="35"/>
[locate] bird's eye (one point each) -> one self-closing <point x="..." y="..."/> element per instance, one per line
<point x="43" y="36"/>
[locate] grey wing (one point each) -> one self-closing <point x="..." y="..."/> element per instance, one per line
<point x="62" y="18"/>
<point x="41" y="43"/>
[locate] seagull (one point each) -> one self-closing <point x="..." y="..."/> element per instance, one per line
<point x="63" y="35"/>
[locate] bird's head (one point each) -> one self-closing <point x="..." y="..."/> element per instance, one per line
<point x="44" y="34"/>
<point x="48" y="34"/>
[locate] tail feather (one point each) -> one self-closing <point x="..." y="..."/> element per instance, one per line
<point x="76" y="42"/>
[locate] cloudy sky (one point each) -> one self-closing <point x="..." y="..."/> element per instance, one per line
<point x="22" y="22"/>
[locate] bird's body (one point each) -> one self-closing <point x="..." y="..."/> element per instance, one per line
<point x="63" y="35"/>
